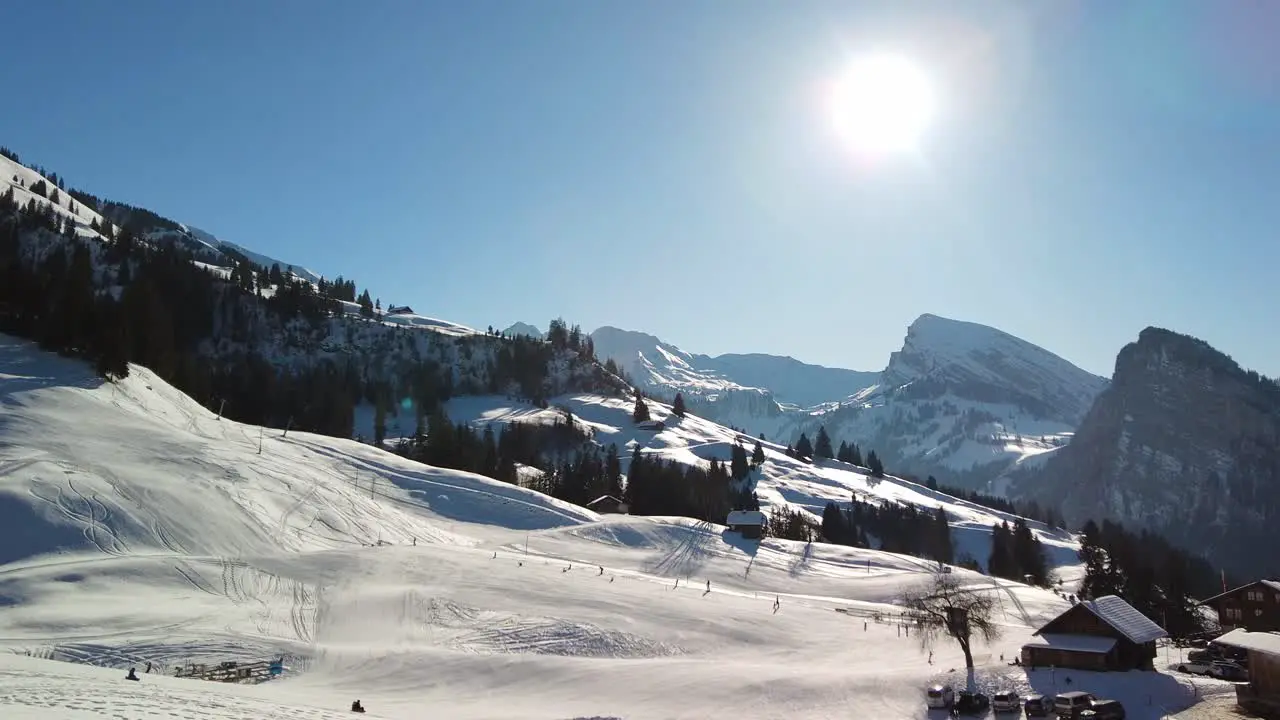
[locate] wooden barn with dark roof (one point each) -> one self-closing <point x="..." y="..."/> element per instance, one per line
<point x="1103" y="634"/>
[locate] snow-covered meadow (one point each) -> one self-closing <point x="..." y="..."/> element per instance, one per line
<point x="138" y="527"/>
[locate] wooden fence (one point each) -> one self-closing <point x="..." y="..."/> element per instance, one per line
<point x="252" y="672"/>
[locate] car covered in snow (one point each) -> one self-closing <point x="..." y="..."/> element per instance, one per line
<point x="1006" y="701"/>
<point x="940" y="696"/>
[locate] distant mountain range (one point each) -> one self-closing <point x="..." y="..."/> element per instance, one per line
<point x="962" y="401"/>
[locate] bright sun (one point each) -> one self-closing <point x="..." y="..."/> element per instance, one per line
<point x="882" y="104"/>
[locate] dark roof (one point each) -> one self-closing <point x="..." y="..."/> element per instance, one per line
<point x="1273" y="584"/>
<point x="603" y="499"/>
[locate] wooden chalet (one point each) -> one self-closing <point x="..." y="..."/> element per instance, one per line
<point x="1254" y="607"/>
<point x="749" y="523"/>
<point x="1261" y="695"/>
<point x="1102" y="634"/>
<point x="607" y="504"/>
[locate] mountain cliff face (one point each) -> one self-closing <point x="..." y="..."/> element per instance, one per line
<point x="1185" y="443"/>
<point x="965" y="402"/>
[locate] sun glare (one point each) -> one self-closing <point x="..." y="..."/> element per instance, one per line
<point x="882" y="104"/>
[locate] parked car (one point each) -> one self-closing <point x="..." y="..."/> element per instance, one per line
<point x="1006" y="701"/>
<point x="940" y="696"/>
<point x="1103" y="710"/>
<point x="971" y="703"/>
<point x="1037" y="705"/>
<point x="1194" y="668"/>
<point x="1069" y="704"/>
<point x="1204" y="656"/>
<point x="1227" y="670"/>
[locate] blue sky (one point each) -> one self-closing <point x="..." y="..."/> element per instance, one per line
<point x="668" y="165"/>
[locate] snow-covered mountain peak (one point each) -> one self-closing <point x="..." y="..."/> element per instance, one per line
<point x="982" y="363"/>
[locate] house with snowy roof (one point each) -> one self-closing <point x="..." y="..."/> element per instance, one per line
<point x="1254" y="607"/>
<point x="1261" y="695"/>
<point x="1106" y="633"/>
<point x="749" y="523"/>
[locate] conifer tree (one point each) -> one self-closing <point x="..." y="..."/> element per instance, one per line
<point x="874" y="465"/>
<point x="677" y="406"/>
<point x="822" y="448"/>
<point x="757" y="455"/>
<point x="641" y="412"/>
<point x="379" y="420"/>
<point x="738" y="465"/>
<point x="804" y="449"/>
<point x="855" y="455"/>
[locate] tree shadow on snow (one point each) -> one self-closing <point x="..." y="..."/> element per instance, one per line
<point x="687" y="556"/>
<point x="27" y="367"/>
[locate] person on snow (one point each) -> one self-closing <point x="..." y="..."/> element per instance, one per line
<point x="148" y="667"/>
<point x="357" y="707"/>
<point x="133" y="675"/>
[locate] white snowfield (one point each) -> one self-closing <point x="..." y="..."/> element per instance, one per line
<point x="797" y="484"/>
<point x="137" y="527"/>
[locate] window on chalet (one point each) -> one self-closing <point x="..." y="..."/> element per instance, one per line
<point x="1254" y="595"/>
<point x="1233" y="613"/>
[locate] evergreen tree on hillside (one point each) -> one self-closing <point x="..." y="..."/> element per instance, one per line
<point x="842" y="453"/>
<point x="822" y="448"/>
<point x="757" y="455"/>
<point x="738" y="466"/>
<point x="855" y="455"/>
<point x="641" y="412"/>
<point x="1001" y="562"/>
<point x="379" y="420"/>
<point x="677" y="406"/>
<point x="366" y="304"/>
<point x="943" y="550"/>
<point x="1029" y="555"/>
<point x="613" y="471"/>
<point x="804" y="449"/>
<point x="833" y="530"/>
<point x="874" y="465"/>
<point x="790" y="452"/>
<point x="931" y="483"/>
<point x="558" y="334"/>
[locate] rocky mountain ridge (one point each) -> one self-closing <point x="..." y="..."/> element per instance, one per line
<point x="1184" y="442"/>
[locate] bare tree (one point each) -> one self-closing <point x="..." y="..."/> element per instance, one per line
<point x="942" y="607"/>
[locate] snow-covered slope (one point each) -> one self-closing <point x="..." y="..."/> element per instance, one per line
<point x="796" y="484"/>
<point x="257" y="258"/>
<point x="140" y="528"/>
<point x="965" y="402"/>
<point x="21" y="180"/>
